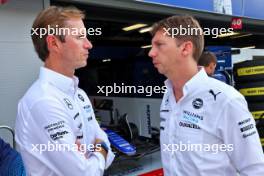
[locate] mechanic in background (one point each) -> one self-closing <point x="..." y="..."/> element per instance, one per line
<point x="208" y="61"/>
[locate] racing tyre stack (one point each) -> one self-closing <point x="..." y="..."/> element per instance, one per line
<point x="249" y="81"/>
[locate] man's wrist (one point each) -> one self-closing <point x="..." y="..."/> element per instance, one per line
<point x="103" y="146"/>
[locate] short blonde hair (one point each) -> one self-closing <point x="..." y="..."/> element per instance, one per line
<point x="53" y="16"/>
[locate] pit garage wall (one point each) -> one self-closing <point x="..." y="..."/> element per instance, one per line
<point x="19" y="65"/>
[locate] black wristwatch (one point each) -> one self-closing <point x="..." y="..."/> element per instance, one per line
<point x="104" y="146"/>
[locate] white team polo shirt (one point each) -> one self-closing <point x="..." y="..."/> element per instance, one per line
<point x="55" y="111"/>
<point x="215" y="116"/>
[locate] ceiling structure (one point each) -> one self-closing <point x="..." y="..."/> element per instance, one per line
<point x="111" y="18"/>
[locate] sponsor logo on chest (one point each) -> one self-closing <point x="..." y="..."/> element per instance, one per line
<point x="190" y="120"/>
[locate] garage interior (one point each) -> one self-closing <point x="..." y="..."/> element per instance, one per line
<point x="113" y="18"/>
<point x="128" y="50"/>
<point x="127" y="47"/>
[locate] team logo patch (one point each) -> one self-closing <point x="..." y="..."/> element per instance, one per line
<point x="90" y="118"/>
<point x="81" y="97"/>
<point x="197" y="103"/>
<point x="214" y="94"/>
<point x="68" y="103"/>
<point x="167" y="101"/>
<point x="189" y="125"/>
<point x="76" y="115"/>
<point x="191" y="117"/>
<point x="80" y="126"/>
<point x="87" y="108"/>
<point x="58" y="135"/>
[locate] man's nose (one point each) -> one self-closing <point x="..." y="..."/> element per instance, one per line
<point x="151" y="53"/>
<point x="88" y="44"/>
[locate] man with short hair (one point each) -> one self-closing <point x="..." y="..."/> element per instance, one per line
<point x="56" y="128"/>
<point x="208" y="61"/>
<point x="201" y="111"/>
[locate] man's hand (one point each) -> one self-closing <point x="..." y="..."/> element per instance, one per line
<point x="100" y="149"/>
<point x="97" y="147"/>
<point x="80" y="147"/>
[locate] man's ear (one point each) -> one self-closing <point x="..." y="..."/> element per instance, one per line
<point x="187" y="48"/>
<point x="212" y="65"/>
<point x="53" y="43"/>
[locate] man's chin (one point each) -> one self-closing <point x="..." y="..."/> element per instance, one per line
<point x="159" y="69"/>
<point x="81" y="65"/>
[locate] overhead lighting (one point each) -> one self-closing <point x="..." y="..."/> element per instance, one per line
<point x="249" y="47"/>
<point x="146" y="46"/>
<point x="106" y="60"/>
<point x="147" y="29"/>
<point x="227" y="34"/>
<point x="133" y="27"/>
<point x="245" y="35"/>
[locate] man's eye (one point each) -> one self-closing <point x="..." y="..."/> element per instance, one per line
<point x="159" y="44"/>
<point x="81" y="37"/>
